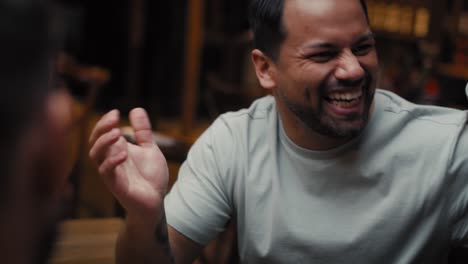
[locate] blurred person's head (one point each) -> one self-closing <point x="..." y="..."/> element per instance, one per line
<point x="318" y="59"/>
<point x="34" y="118"/>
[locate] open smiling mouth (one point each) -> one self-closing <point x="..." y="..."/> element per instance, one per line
<point x="344" y="100"/>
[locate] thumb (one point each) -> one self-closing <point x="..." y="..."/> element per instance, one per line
<point x="142" y="127"/>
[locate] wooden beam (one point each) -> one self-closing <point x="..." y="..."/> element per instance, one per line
<point x="135" y="44"/>
<point x="193" y="48"/>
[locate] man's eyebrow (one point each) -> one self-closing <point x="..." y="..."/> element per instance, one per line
<point x="365" y="37"/>
<point x="326" y="45"/>
<point x="320" y="45"/>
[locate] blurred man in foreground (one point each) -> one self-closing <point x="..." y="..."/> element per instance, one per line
<point x="35" y="119"/>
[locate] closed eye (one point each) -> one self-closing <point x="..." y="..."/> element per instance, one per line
<point x="322" y="57"/>
<point x="363" y="49"/>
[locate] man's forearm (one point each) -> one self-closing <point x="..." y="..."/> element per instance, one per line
<point x="142" y="242"/>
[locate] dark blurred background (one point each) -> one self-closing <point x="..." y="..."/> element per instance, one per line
<point x="147" y="46"/>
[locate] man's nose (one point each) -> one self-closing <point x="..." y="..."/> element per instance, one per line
<point x="349" y="69"/>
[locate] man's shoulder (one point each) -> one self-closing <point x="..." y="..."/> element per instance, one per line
<point x="394" y="105"/>
<point x="259" y="109"/>
<point x="257" y="114"/>
<point x="413" y="126"/>
<point x="240" y="130"/>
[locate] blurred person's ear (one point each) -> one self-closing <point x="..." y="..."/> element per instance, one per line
<point x="53" y="162"/>
<point x="44" y="152"/>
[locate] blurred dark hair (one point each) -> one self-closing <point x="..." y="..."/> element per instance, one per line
<point x="265" y="18"/>
<point x="29" y="41"/>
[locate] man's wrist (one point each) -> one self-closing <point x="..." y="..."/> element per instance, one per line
<point x="146" y="238"/>
<point x="142" y="224"/>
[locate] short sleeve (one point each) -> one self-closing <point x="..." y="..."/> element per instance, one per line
<point x="458" y="189"/>
<point x="198" y="204"/>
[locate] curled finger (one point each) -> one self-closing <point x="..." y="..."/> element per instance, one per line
<point x="108" y="166"/>
<point x="104" y="125"/>
<point x="103" y="144"/>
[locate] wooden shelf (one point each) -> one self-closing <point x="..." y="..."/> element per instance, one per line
<point x="454" y="71"/>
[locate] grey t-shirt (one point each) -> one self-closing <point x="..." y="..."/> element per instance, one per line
<point x="396" y="194"/>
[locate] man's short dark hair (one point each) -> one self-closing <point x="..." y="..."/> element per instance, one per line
<point x="266" y="23"/>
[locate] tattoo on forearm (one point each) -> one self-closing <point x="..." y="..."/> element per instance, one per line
<point x="162" y="237"/>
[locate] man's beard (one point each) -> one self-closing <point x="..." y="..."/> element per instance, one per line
<point x="322" y="123"/>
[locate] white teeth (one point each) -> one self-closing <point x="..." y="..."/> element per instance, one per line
<point x="345" y="96"/>
<point x="342" y="103"/>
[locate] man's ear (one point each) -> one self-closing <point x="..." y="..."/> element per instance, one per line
<point x="265" y="69"/>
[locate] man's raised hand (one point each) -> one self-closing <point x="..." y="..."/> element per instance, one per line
<point x="136" y="174"/>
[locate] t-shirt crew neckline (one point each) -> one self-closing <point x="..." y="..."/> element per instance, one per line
<point x="331" y="153"/>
